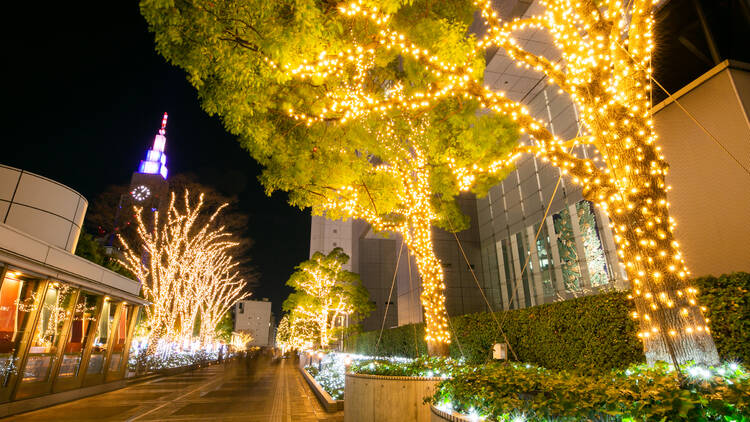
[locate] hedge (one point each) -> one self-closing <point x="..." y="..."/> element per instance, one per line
<point x="590" y="331"/>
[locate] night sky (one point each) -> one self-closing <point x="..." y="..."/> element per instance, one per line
<point x="83" y="98"/>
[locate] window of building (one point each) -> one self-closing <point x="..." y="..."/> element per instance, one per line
<point x="101" y="338"/>
<point x="522" y="251"/>
<point x="510" y="273"/>
<point x="544" y="253"/>
<point x="566" y="246"/>
<point x="46" y="338"/>
<point x="596" y="261"/>
<point x="119" y="337"/>
<point x="20" y="297"/>
<point x="84" y="321"/>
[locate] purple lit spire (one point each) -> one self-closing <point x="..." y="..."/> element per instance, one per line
<point x="156" y="159"/>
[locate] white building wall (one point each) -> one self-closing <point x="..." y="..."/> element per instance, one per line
<point x="325" y="235"/>
<point x="254" y="316"/>
<point x="41" y="207"/>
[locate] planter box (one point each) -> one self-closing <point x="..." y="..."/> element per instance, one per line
<point x="325" y="399"/>
<point x="374" y="398"/>
<point x="438" y="415"/>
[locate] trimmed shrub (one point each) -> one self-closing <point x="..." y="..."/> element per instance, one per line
<point x="501" y="391"/>
<point x="591" y="331"/>
<point x="727" y="302"/>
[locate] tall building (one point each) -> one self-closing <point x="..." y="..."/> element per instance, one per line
<point x="148" y="186"/>
<point x="254" y="317"/>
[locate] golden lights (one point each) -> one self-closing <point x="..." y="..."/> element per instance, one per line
<point x="605" y="68"/>
<point x="186" y="269"/>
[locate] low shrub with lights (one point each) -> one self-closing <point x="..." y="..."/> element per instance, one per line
<point x="330" y="370"/>
<point x="578" y="333"/>
<point x="428" y="367"/>
<point x="518" y="392"/>
<point x="141" y="363"/>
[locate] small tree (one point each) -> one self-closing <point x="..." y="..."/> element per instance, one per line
<point x="325" y="291"/>
<point x="296" y="333"/>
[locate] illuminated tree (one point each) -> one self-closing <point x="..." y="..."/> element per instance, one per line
<point x="321" y="64"/>
<point x="326" y="292"/>
<point x="295" y="333"/>
<point x="185" y="270"/>
<point x="218" y="289"/>
<point x="393" y="171"/>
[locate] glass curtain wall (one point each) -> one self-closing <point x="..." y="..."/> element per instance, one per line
<point x="47" y="338"/>
<point x="55" y="337"/>
<point x="100" y="345"/>
<point x="120" y="339"/>
<point x="75" y="349"/>
<point x="20" y="300"/>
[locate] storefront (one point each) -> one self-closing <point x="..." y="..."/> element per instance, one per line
<point x="56" y="336"/>
<point x="65" y="322"/>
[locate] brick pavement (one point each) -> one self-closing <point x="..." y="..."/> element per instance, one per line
<point x="242" y="390"/>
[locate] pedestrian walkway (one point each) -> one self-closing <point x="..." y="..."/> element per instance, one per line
<point x="242" y="390"/>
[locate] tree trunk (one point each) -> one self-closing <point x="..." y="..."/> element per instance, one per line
<point x="672" y="326"/>
<point x="323" y="327"/>
<point x="419" y="240"/>
<point x="153" y="338"/>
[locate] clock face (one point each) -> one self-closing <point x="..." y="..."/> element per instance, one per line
<point x="140" y="193"/>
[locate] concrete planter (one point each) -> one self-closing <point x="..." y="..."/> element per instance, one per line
<point x="437" y="415"/>
<point x="374" y="398"/>
<point x="325" y="399"/>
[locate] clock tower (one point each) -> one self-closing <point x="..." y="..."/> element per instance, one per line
<point x="148" y="186"/>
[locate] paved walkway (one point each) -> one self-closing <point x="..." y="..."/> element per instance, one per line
<point x="244" y="390"/>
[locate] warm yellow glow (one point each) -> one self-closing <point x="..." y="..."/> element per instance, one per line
<point x="414" y="197"/>
<point x="186" y="269"/>
<point x="605" y="68"/>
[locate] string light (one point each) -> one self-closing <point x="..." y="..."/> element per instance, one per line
<point x="186" y="269"/>
<point x="409" y="170"/>
<point x="605" y="69"/>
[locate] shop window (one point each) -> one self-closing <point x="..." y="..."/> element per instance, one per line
<point x="84" y="321"/>
<point x="103" y="330"/>
<point x="119" y="338"/>
<point x="546" y="269"/>
<point x="596" y="261"/>
<point x="19" y="298"/>
<point x="49" y="329"/>
<point x="566" y="246"/>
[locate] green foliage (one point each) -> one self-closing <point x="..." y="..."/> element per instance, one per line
<point x="591" y="331"/>
<point x="502" y="390"/>
<point x="727" y="299"/>
<point x="344" y="284"/>
<point x="226" y="46"/>
<point x="420" y="367"/>
<point x="225" y="327"/>
<point x="88" y="248"/>
<point x="583" y="332"/>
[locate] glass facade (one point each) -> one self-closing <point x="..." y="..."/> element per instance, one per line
<point x="574" y="252"/>
<point x="120" y="337"/>
<point x="49" y="330"/>
<point x="82" y="326"/>
<point x="101" y="338"/>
